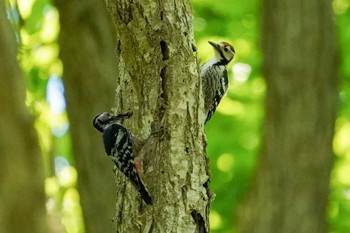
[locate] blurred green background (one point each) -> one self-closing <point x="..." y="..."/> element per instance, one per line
<point x="233" y="134"/>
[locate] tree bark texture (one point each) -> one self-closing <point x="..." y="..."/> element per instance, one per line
<point x="290" y="191"/>
<point x="159" y="82"/>
<point x="87" y="42"/>
<point x="22" y="196"/>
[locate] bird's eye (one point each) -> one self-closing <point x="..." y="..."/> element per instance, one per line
<point x="225" y="49"/>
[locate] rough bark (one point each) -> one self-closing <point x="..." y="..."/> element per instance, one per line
<point x="158" y="81"/>
<point x="87" y="42"/>
<point x="290" y="191"/>
<point x="22" y="196"/>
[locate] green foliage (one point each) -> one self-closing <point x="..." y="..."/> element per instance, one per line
<point x="339" y="207"/>
<point x="233" y="134"/>
<point x="38" y="28"/>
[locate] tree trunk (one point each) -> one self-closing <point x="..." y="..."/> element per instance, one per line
<point x="87" y="39"/>
<point x="290" y="192"/>
<point x="22" y="195"/>
<point x="159" y="82"/>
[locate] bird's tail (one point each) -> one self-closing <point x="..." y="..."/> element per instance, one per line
<point x="142" y="190"/>
<point x="145" y="195"/>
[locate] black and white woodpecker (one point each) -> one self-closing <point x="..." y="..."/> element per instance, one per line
<point x="119" y="146"/>
<point x="214" y="77"/>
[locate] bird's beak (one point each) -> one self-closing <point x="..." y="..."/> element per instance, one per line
<point x="121" y="116"/>
<point x="216" y="46"/>
<point x="114" y="117"/>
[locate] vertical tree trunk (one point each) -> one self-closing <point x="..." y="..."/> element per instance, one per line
<point x="290" y="192"/>
<point x="87" y="41"/>
<point x="158" y="81"/>
<point x="22" y="197"/>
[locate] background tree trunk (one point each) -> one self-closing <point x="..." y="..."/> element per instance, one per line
<point x="22" y="196"/>
<point x="87" y="39"/>
<point x="290" y="192"/>
<point x="158" y="81"/>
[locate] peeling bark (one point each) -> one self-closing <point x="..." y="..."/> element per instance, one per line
<point x="158" y="81"/>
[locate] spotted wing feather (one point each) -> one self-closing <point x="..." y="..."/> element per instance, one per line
<point x="118" y="145"/>
<point x="215" y="84"/>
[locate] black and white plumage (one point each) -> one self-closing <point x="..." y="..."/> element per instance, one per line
<point x="214" y="77"/>
<point x="118" y="144"/>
